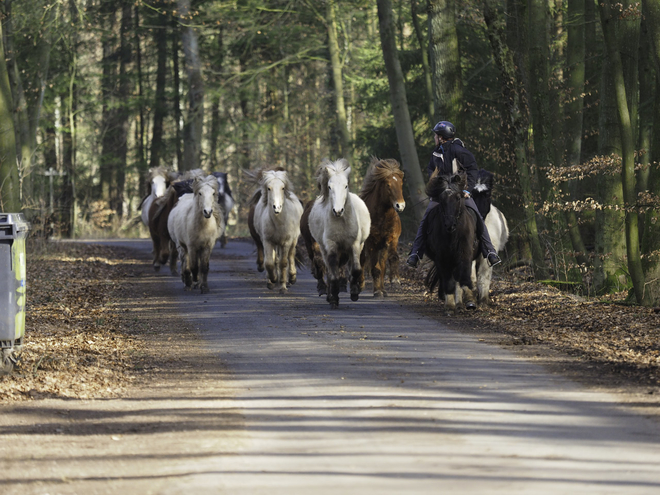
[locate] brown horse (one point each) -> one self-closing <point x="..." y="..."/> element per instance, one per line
<point x="382" y="192"/>
<point x="164" y="248"/>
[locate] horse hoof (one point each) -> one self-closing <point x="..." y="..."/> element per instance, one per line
<point x="292" y="280"/>
<point x="470" y="305"/>
<point x="323" y="292"/>
<point x="283" y="291"/>
<point x="156" y="268"/>
<point x="260" y="268"/>
<point x="270" y="285"/>
<point x="377" y="295"/>
<point x="354" y="297"/>
<point x="205" y="290"/>
<point x="334" y="305"/>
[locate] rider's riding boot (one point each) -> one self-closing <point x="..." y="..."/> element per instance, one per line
<point x="413" y="260"/>
<point x="493" y="259"/>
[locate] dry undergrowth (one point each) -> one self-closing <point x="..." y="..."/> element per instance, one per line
<point x="621" y="340"/>
<point x="78" y="342"/>
<point x="81" y="343"/>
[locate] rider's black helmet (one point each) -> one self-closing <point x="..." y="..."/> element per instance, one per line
<point x="445" y="129"/>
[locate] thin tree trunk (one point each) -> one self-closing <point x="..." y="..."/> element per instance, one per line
<point x="160" y="103"/>
<point x="651" y="240"/>
<point x="627" y="151"/>
<point x="516" y="118"/>
<point x="402" y="123"/>
<point x="215" y="105"/>
<point x="9" y="186"/>
<point x="539" y="95"/>
<point x="142" y="160"/>
<point x="192" y="145"/>
<point x="176" y="82"/>
<point x="445" y="61"/>
<point x="346" y="149"/>
<point x="574" y="110"/>
<point x="423" y="46"/>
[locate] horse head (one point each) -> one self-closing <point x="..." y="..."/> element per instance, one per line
<point x="205" y="190"/>
<point x="158" y="182"/>
<point x="390" y="173"/>
<point x="224" y="191"/>
<point x="275" y="189"/>
<point x="447" y="190"/>
<point x="333" y="179"/>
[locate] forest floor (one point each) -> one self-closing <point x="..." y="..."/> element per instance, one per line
<point x="82" y="342"/>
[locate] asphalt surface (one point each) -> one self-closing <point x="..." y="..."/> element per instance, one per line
<point x="368" y="398"/>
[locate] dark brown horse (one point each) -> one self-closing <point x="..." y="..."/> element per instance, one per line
<point x="382" y="192"/>
<point x="451" y="241"/>
<point x="164" y="248"/>
<point x="313" y="251"/>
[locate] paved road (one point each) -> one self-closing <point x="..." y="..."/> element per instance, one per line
<point x="369" y="398"/>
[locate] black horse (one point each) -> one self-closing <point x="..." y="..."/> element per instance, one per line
<point x="451" y="241"/>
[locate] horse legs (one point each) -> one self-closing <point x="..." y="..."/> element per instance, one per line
<point x="155" y="239"/>
<point x="173" y="258"/>
<point x="484" y="274"/>
<point x="333" y="280"/>
<point x="186" y="275"/>
<point x="393" y="262"/>
<point x="318" y="270"/>
<point x="269" y="262"/>
<point x="293" y="273"/>
<point x="204" y="257"/>
<point x="281" y="267"/>
<point x="378" y="273"/>
<point x="357" y="275"/>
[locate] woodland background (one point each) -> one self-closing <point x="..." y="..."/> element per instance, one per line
<point x="556" y="97"/>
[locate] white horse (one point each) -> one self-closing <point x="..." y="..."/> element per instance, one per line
<point x="195" y="224"/>
<point x="339" y="221"/>
<point x="157" y="188"/>
<point x="274" y="223"/>
<point x="482" y="272"/>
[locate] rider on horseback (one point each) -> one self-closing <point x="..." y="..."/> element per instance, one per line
<point x="450" y="157"/>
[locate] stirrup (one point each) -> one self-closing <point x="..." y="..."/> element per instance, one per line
<point x="493" y="259"/>
<point x="413" y="260"/>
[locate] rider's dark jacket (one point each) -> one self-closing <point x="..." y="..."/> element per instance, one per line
<point x="443" y="159"/>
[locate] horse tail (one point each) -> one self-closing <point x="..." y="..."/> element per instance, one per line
<point x="432" y="278"/>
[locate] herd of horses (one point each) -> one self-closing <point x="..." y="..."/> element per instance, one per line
<point x="345" y="234"/>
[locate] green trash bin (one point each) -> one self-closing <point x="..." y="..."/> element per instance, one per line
<point x="13" y="232"/>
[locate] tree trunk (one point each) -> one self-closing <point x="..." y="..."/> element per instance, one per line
<point x="9" y="186"/>
<point x="346" y="149"/>
<point x="445" y="61"/>
<point x="160" y="103"/>
<point x="402" y="123"/>
<point x="192" y="145"/>
<point x="423" y="46"/>
<point x="141" y="159"/>
<point x="627" y="151"/>
<point x="574" y="114"/>
<point x="176" y="83"/>
<point x="515" y="120"/>
<point x="651" y="239"/>
<point x="215" y="107"/>
<point x="539" y="95"/>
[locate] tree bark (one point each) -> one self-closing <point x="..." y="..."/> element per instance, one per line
<point x="402" y="123"/>
<point x="346" y="148"/>
<point x="516" y="119"/>
<point x="192" y="139"/>
<point x="574" y="110"/>
<point x="445" y="61"/>
<point x="423" y="46"/>
<point x="9" y="185"/>
<point x="539" y="96"/>
<point x="627" y="150"/>
<point x="160" y="103"/>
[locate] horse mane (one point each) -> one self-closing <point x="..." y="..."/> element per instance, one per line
<point x="328" y="168"/>
<point x="440" y="183"/>
<point x="378" y="171"/>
